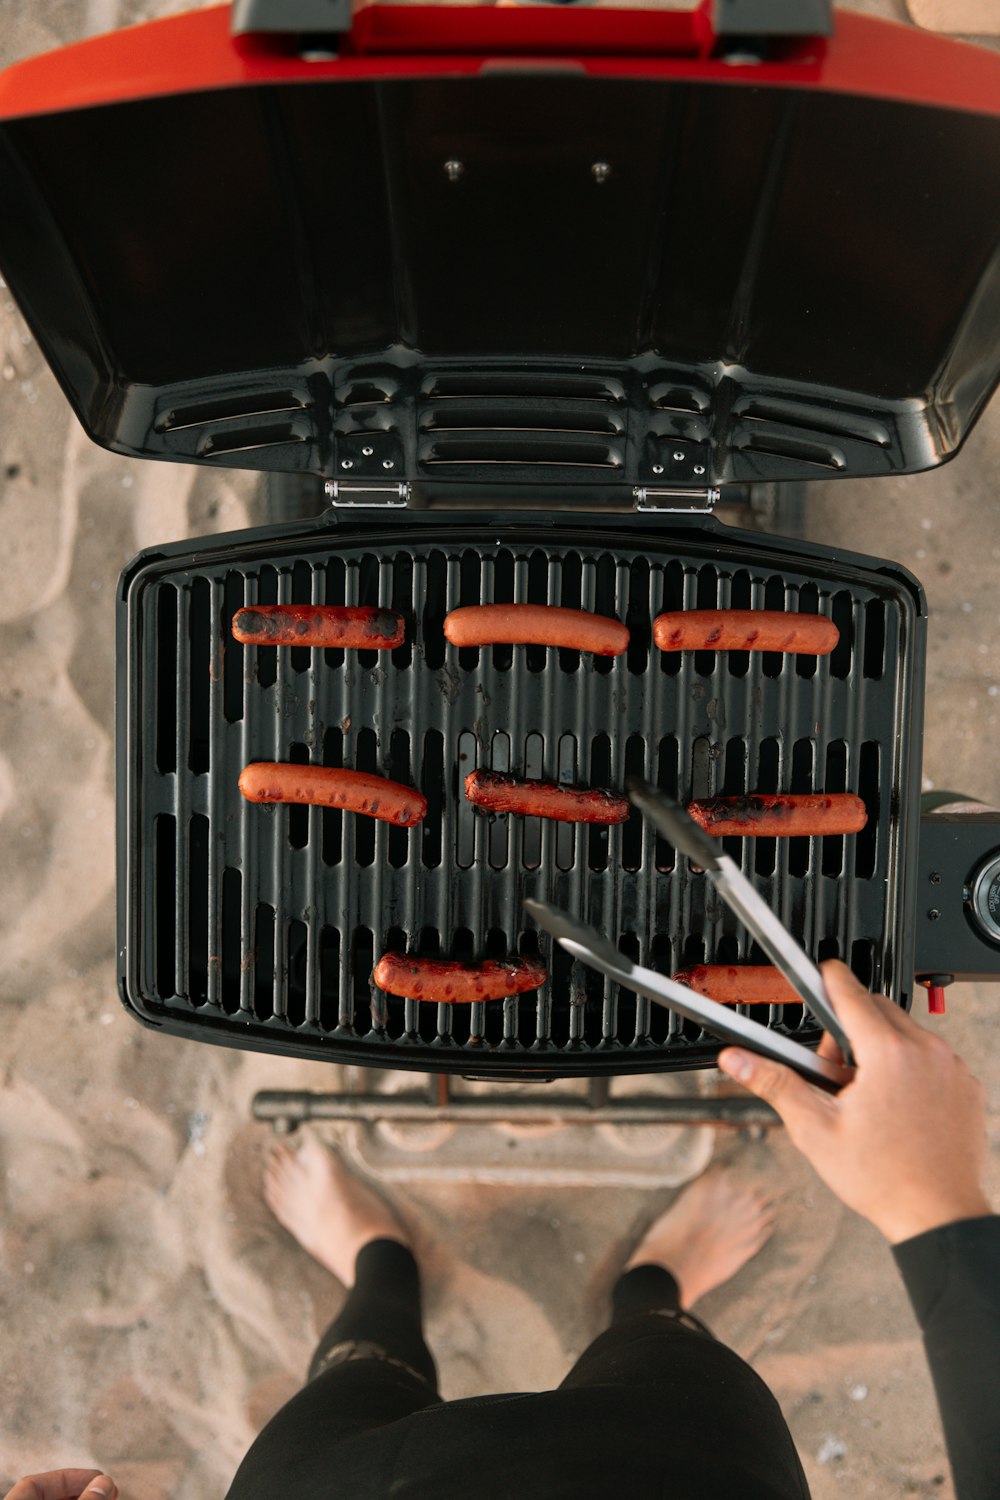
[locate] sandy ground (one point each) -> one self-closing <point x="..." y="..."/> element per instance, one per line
<point x="154" y="1315"/>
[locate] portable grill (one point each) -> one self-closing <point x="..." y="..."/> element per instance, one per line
<point x="528" y="289"/>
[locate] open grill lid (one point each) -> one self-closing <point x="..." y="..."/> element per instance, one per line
<point x="482" y="255"/>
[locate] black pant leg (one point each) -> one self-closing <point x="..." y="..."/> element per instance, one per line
<point x="382" y="1313"/>
<point x="698" y="1387"/>
<point x="371" y="1367"/>
<point x="646" y="1288"/>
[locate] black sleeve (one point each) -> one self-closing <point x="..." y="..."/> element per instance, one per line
<point x="952" y="1275"/>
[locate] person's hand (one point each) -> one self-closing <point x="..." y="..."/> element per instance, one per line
<point x="904" y="1142"/>
<point x="65" y="1484"/>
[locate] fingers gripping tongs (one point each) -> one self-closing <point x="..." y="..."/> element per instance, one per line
<point x="593" y="948"/>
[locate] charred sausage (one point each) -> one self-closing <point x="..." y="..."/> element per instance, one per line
<point x="362" y="627"/>
<point x="745" y="630"/>
<point x="781" y="815"/>
<point x="449" y="982"/>
<point x="331" y="786"/>
<point x="495" y="792"/>
<point x="740" y="984"/>
<point x="535" y="625"/>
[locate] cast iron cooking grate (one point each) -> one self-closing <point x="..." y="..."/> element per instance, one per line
<point x="258" y="926"/>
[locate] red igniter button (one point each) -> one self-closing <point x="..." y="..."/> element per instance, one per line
<point x="935" y="999"/>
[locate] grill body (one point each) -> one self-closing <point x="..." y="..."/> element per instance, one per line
<point x="258" y="926"/>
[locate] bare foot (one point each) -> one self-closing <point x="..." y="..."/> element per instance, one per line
<point x="329" y="1211"/>
<point x="707" y="1234"/>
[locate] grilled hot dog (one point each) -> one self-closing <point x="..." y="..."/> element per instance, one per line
<point x="781" y="815"/>
<point x="331" y="786"/>
<point x="535" y="625"/>
<point x="495" y="792"/>
<point x="362" y="627"/>
<point x="449" y="982"/>
<point x="740" y="984"/>
<point x="744" y="630"/>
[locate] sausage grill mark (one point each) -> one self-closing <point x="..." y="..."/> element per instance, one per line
<point x="791" y="815"/>
<point x="740" y="984"/>
<point x="745" y="630"/>
<point x="351" y="627"/>
<point x="496" y="792"/>
<point x="333" y="786"/>
<point x="449" y="982"/>
<point x="536" y="625"/>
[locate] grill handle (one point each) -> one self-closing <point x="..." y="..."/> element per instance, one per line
<point x="739" y="31"/>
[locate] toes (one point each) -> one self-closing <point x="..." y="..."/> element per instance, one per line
<point x="277" y="1175"/>
<point x="288" y="1163"/>
<point x="756" y="1203"/>
<point x="278" y="1200"/>
<point x="275" y="1170"/>
<point x="762" y="1232"/>
<point x="311" y="1151"/>
<point x="274" y="1183"/>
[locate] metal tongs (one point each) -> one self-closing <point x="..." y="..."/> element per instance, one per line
<point x="594" y="949"/>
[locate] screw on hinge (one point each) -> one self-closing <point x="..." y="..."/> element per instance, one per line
<point x="933" y="914"/>
<point x="347" y="463"/>
<point x="368" y="452"/>
<point x="935" y="878"/>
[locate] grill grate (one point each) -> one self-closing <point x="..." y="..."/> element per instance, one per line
<point x="259" y="926"/>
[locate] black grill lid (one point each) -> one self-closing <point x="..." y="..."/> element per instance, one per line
<point x="483" y="271"/>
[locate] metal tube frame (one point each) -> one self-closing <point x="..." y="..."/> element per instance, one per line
<point x="287" y="1109"/>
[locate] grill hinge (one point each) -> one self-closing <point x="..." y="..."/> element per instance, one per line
<point x="703" y="501"/>
<point x="340" y="493"/>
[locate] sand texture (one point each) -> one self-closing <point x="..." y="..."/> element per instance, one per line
<point x="154" y="1314"/>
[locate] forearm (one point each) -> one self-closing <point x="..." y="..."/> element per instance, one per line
<point x="922" y="1188"/>
<point x="952" y="1275"/>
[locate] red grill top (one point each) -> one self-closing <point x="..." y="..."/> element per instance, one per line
<point x="232" y="255"/>
<point x="193" y="52"/>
